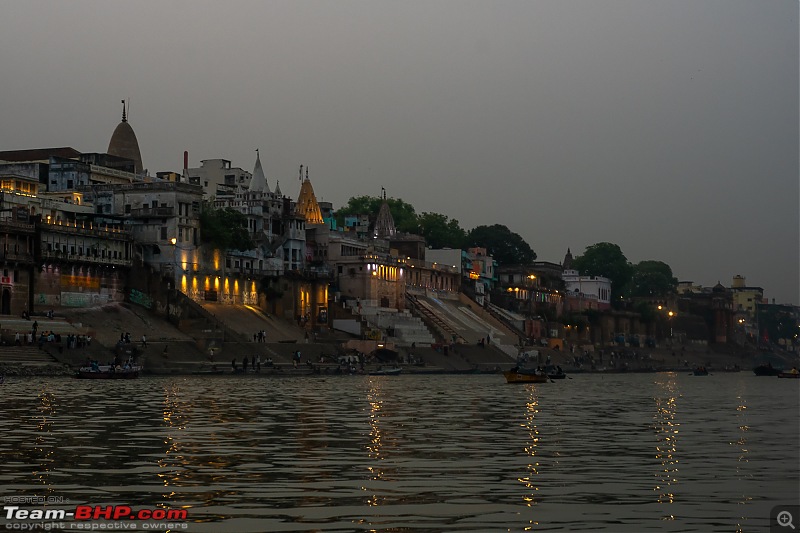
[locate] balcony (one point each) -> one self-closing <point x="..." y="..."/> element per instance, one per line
<point x="56" y="255"/>
<point x="21" y="257"/>
<point x="153" y="212"/>
<point x="15" y="226"/>
<point x="317" y="273"/>
<point x="90" y="230"/>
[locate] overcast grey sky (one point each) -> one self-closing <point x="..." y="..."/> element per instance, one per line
<point x="667" y="127"/>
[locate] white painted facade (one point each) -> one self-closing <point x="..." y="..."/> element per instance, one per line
<point x="589" y="286"/>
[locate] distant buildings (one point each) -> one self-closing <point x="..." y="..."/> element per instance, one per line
<point x="217" y="177"/>
<point x="80" y="229"/>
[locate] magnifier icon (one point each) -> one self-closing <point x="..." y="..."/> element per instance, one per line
<point x="785" y="519"/>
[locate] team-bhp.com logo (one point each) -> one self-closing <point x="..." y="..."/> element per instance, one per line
<point x="94" y="517"/>
<point x="123" y="512"/>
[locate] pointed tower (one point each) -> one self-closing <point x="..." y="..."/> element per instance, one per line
<point x="278" y="188"/>
<point x="258" y="183"/>
<point x="124" y="144"/>
<point x="384" y="224"/>
<point x="567" y="265"/>
<point x="307" y="202"/>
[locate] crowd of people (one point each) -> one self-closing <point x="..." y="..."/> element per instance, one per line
<point x="251" y="365"/>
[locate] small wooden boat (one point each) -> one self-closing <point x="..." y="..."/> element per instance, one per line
<point x="395" y="371"/>
<point x="766" y="370"/>
<point x="791" y="374"/>
<point x="108" y="372"/>
<point x="516" y="375"/>
<point x="701" y="371"/>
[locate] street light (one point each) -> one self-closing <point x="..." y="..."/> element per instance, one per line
<point x="671" y="314"/>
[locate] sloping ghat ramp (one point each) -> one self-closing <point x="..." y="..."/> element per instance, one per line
<point x="248" y="320"/>
<point x="471" y="325"/>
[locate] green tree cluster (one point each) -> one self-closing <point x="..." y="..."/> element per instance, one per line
<point x="405" y="218"/>
<point x="225" y="229"/>
<point x="648" y="278"/>
<point x="440" y="231"/>
<point x="505" y="246"/>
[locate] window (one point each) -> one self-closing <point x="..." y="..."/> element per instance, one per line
<point x="127" y="209"/>
<point x="163" y="233"/>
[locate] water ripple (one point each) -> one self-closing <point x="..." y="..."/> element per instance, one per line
<point x="660" y="452"/>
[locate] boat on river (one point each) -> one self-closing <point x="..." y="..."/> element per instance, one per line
<point x="701" y="371"/>
<point x="767" y="370"/>
<point x="394" y="371"/>
<point x="555" y="372"/>
<point x="109" y="372"/>
<point x="792" y="374"/>
<point x="516" y="375"/>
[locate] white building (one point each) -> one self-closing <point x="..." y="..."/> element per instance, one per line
<point x="217" y="177"/>
<point x="588" y="288"/>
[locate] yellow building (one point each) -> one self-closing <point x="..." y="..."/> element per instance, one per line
<point x="745" y="298"/>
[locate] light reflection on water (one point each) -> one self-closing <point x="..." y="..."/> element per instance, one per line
<point x="658" y="452"/>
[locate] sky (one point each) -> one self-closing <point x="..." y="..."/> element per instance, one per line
<point x="669" y="128"/>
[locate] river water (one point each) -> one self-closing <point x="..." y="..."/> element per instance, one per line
<point x="621" y="453"/>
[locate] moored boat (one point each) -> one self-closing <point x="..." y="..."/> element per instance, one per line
<point x="792" y="374"/>
<point x="108" y="372"/>
<point x="394" y="371"/>
<point x="767" y="370"/>
<point x="701" y="371"/>
<point x="515" y="375"/>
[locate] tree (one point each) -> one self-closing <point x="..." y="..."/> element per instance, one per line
<point x="505" y="246"/>
<point x="405" y="218"/>
<point x="651" y="278"/>
<point x="225" y="229"/>
<point x="607" y="260"/>
<point x="440" y="231"/>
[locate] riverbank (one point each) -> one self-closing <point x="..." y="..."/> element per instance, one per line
<point x="198" y="349"/>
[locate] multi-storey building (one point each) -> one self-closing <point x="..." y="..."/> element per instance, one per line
<point x="217" y="177"/>
<point x="54" y="252"/>
<point x="164" y="220"/>
<point x="745" y="298"/>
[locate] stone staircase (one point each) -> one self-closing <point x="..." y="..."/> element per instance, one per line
<point x="403" y="328"/>
<point x="29" y="360"/>
<point x="25" y="356"/>
<point x="446" y="330"/>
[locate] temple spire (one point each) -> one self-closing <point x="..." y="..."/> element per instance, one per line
<point x="258" y="181"/>
<point x="384" y="223"/>
<point x="307" y="202"/>
<point x="124" y="118"/>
